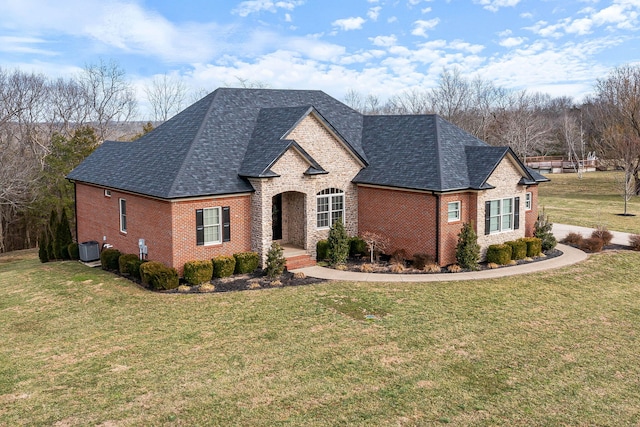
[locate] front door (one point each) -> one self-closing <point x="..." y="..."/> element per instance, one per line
<point x="276" y="217"/>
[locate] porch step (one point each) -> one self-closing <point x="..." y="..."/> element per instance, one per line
<point x="299" y="261"/>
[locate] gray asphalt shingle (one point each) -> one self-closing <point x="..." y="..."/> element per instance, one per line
<point x="213" y="145"/>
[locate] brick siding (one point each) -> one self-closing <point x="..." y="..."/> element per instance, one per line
<point x="168" y="227"/>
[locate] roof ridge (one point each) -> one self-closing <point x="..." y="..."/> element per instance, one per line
<point x="438" y="151"/>
<point x="192" y="144"/>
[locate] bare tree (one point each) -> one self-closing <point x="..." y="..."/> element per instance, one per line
<point x="452" y="97"/>
<point x="616" y="115"/>
<point x="412" y="101"/>
<point x="166" y="94"/>
<point x="109" y="96"/>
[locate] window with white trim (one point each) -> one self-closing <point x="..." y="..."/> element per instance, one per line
<point x="527" y="201"/>
<point x="211" y="224"/>
<point x="329" y="207"/>
<point x="453" y="209"/>
<point x="123" y="215"/>
<point x="502" y="215"/>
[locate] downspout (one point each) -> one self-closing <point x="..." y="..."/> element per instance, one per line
<point x="437" y="196"/>
<point x="75" y="208"/>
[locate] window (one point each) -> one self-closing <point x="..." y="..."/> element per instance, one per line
<point x="330" y="207"/>
<point x="213" y="225"/>
<point x="107" y="193"/>
<point x="123" y="215"/>
<point x="527" y="201"/>
<point x="502" y="215"/>
<point x="454" y="211"/>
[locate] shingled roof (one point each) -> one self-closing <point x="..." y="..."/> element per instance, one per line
<point x="213" y="146"/>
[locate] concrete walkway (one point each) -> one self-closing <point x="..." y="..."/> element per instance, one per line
<point x="561" y="230"/>
<point x="570" y="256"/>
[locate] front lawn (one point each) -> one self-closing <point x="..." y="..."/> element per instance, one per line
<point x="592" y="201"/>
<point x="83" y="347"/>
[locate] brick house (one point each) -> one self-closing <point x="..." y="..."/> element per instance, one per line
<point x="244" y="167"/>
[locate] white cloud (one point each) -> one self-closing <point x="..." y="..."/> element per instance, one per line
<point x="246" y="8"/>
<point x="512" y="41"/>
<point x="374" y="12"/>
<point x="392" y="19"/>
<point x="347" y="24"/>
<point x="384" y="41"/>
<point x="495" y="5"/>
<point x="425" y="10"/>
<point x="287" y="17"/>
<point x="420" y="26"/>
<point x="28" y="45"/>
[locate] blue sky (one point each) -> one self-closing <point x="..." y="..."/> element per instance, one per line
<point x="372" y="46"/>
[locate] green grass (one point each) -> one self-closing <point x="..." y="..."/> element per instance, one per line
<point x="591" y="201"/>
<point x="83" y="347"/>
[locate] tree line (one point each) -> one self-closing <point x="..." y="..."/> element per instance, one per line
<point x="48" y="126"/>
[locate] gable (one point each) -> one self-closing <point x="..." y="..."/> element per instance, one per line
<point x="326" y="148"/>
<point x="506" y="176"/>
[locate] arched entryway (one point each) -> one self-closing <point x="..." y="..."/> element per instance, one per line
<point x="289" y="219"/>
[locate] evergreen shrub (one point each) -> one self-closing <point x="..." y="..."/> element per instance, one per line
<point x="223" y="266"/>
<point x="158" y="276"/>
<point x="198" y="272"/>
<point x="499" y="254"/>
<point x="246" y="262"/>
<point x="109" y="259"/>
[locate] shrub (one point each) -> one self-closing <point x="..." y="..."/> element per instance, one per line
<point x="62" y="237"/>
<point x="158" y="276"/>
<point x="592" y="244"/>
<point x="322" y="248"/>
<point x="454" y="268"/>
<point x="198" y="272"/>
<point x="43" y="253"/>
<point x="51" y="232"/>
<point x="357" y="246"/>
<point x="634" y="242"/>
<point x="74" y="251"/>
<point x="534" y="246"/>
<point x="109" y="259"/>
<point x="133" y="267"/>
<point x="123" y="262"/>
<point x="223" y="266"/>
<point x="499" y="254"/>
<point x="366" y="268"/>
<point x="574" y="239"/>
<point x="432" y="268"/>
<point x="397" y="267"/>
<point x="420" y="260"/>
<point x="338" y="250"/>
<point x="467" y="249"/>
<point x="399" y="256"/>
<point x="543" y="231"/>
<point x="518" y="249"/>
<point x="246" y="262"/>
<point x="275" y="261"/>
<point x="603" y="234"/>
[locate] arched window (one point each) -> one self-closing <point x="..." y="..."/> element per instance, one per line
<point x="330" y="207"/>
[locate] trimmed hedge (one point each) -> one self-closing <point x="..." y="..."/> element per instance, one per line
<point x="534" y="246"/>
<point x="518" y="249"/>
<point x="133" y="267"/>
<point x="198" y="272"/>
<point x="158" y="276"/>
<point x="74" y="251"/>
<point x="499" y="254"/>
<point x="246" y="262"/>
<point x="109" y="259"/>
<point x="322" y="250"/>
<point x="223" y="266"/>
<point x="357" y="246"/>
<point x="123" y="262"/>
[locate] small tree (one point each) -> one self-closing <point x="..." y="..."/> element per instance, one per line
<point x="375" y="242"/>
<point x="468" y="249"/>
<point x="275" y="261"/>
<point x="43" y="254"/>
<point x="63" y="236"/>
<point x="543" y="232"/>
<point x="338" y="250"/>
<point x="51" y="233"/>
